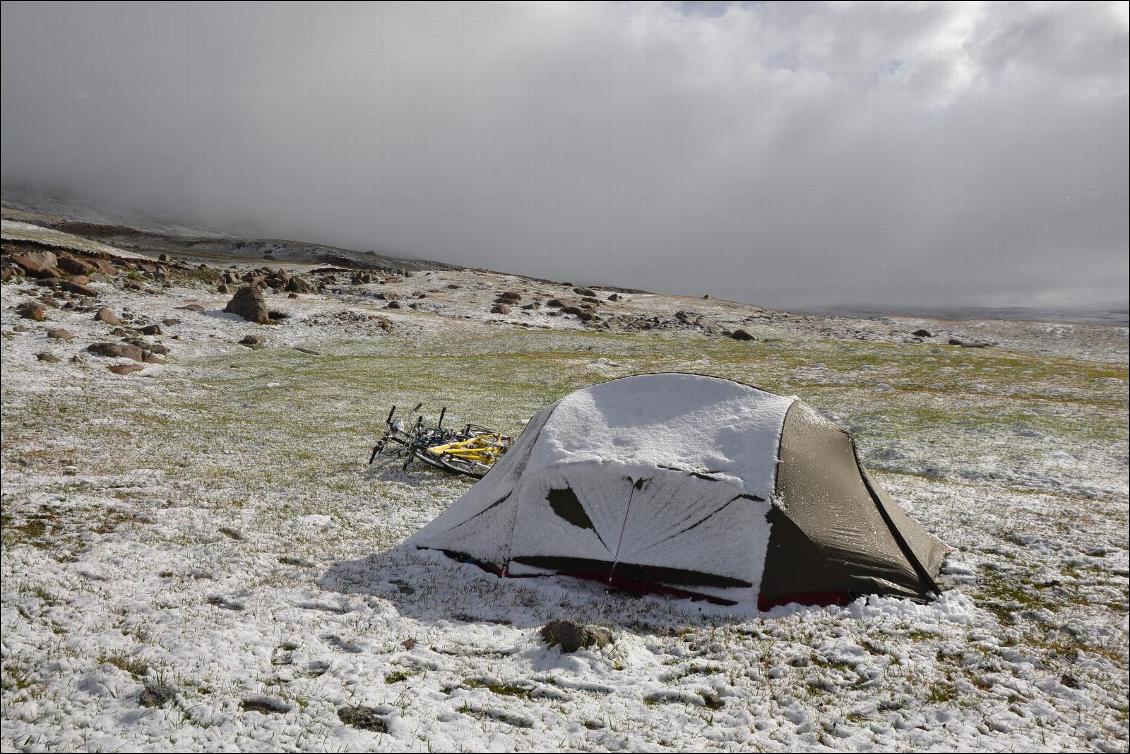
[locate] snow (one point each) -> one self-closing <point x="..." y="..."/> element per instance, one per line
<point x="187" y="527"/>
<point x="688" y="422"/>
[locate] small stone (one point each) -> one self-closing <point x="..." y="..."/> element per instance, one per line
<point x="47" y="356"/>
<point x="155" y="695"/>
<point x="32" y="310"/>
<point x="118" y="350"/>
<point x="573" y="636"/>
<point x="253" y="341"/>
<point x="124" y="368"/>
<point x="365" y="718"/>
<point x="106" y="315"/>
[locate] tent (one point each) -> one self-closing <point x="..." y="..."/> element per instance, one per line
<point x="694" y="486"/>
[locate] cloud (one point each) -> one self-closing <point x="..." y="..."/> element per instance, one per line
<point x="785" y="154"/>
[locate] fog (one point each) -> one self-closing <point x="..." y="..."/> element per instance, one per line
<point x="789" y="155"/>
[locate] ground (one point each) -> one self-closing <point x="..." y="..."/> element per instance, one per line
<point x="196" y="555"/>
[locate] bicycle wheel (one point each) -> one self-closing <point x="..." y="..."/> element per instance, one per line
<point x="462" y="465"/>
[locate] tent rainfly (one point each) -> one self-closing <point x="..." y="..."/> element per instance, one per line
<point x="693" y="486"/>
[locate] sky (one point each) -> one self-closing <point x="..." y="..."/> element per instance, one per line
<point x="790" y="155"/>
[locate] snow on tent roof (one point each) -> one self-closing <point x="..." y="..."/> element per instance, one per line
<point x="692" y="485"/>
<point x="683" y="422"/>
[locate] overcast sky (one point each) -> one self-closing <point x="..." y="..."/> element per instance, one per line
<point x="789" y="155"/>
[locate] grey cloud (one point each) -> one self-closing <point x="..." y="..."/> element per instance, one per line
<point x="786" y="154"/>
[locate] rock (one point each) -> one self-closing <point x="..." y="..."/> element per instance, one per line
<point x="79" y="288"/>
<point x="21" y="328"/>
<point x="393" y="305"/>
<point x="585" y="292"/>
<point x="32" y="310"/>
<point x="741" y="335"/>
<point x="509" y="297"/>
<point x="118" y="350"/>
<point x="76" y="266"/>
<point x="163" y="257"/>
<point x="170" y="321"/>
<point x="954" y="342"/>
<point x="706" y="295"/>
<point x="39" y="264"/>
<point x="614" y="297"/>
<point x="48" y="357"/>
<point x="222" y="288"/>
<point x="298" y="285"/>
<point x="160" y="348"/>
<point x="58" y="333"/>
<point x="151" y="330"/>
<point x="388" y="296"/>
<point x="155" y="694"/>
<point x="365" y="718"/>
<point x="531" y="305"/>
<point x="253" y="341"/>
<point x="124" y="368"/>
<point x="555" y="303"/>
<point x="192" y="307"/>
<point x="249" y="303"/>
<point x="454" y="286"/>
<point x="105" y="315"/>
<point x="573" y="636"/>
<point x="500" y="309"/>
<point x="922" y="334"/>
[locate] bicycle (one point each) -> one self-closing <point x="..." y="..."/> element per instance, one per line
<point x="472" y="451"/>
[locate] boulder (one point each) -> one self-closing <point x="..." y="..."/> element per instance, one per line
<point x="48" y="357"/>
<point x="299" y="285"/>
<point x="741" y="335"/>
<point x="500" y="309"/>
<point x="39" y="264"/>
<point x="124" y="368"/>
<point x="76" y="266"/>
<point x="253" y="341"/>
<point x="151" y="330"/>
<point x="58" y="333"/>
<point x="249" y="303"/>
<point x="32" y="310"/>
<point x="117" y="350"/>
<point x="106" y="315"/>
<point x="614" y="297"/>
<point x="509" y="297"/>
<point x="585" y="292"/>
<point x="922" y="334"/>
<point x="573" y="636"/>
<point x="76" y="287"/>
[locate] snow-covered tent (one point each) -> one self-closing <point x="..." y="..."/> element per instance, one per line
<point x="695" y="486"/>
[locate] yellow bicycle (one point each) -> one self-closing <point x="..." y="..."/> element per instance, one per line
<point x="473" y="456"/>
<point x="471" y="451"/>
